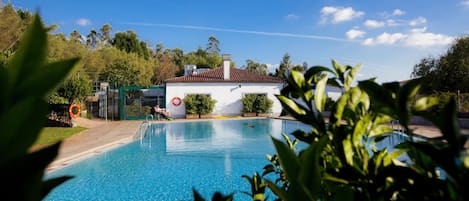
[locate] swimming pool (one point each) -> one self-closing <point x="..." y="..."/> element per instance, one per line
<point x="173" y="159"/>
<point x="176" y="157"/>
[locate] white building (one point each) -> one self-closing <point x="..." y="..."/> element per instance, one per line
<point x="225" y="85"/>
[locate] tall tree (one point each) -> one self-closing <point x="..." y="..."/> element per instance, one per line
<point x="177" y="55"/>
<point x="144" y="50"/>
<point x="92" y="39"/>
<point x="128" y="42"/>
<point x="10" y="26"/>
<point x="105" y="34"/>
<point x="256" y="67"/>
<point x="213" y="46"/>
<point x="75" y="36"/>
<point x="159" y="50"/>
<point x="76" y="88"/>
<point x="166" y="69"/>
<point x="284" y="67"/>
<point x="448" y="73"/>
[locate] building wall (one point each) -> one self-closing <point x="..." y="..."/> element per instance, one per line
<point x="227" y="95"/>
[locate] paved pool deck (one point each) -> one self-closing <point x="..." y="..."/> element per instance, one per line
<point x="103" y="135"/>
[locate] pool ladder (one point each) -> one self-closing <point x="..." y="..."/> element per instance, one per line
<point x="396" y="126"/>
<point x="143" y="130"/>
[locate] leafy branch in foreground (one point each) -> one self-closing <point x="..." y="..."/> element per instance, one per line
<point x="25" y="81"/>
<point x="342" y="161"/>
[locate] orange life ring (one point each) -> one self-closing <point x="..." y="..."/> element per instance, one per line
<point x="176" y="101"/>
<point x="72" y="109"/>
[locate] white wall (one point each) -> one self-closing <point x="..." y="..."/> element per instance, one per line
<point x="227" y="95"/>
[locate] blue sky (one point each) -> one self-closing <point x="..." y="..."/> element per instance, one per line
<point x="387" y="37"/>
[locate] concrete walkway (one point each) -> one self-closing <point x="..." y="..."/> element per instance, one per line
<point x="104" y="135"/>
<point x="100" y="136"/>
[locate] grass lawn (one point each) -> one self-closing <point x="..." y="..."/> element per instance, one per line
<point x="50" y="135"/>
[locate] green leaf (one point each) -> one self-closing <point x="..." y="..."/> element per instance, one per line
<point x="197" y="196"/>
<point x="316" y="71"/>
<point x="320" y="94"/>
<point x="310" y="169"/>
<point x="16" y="138"/>
<point x="348" y="150"/>
<point x="351" y="77"/>
<point x="21" y="176"/>
<point x="45" y="80"/>
<point x="405" y="95"/>
<point x="288" y="160"/>
<point x="378" y="130"/>
<point x="281" y="194"/>
<point x="30" y="55"/>
<point x="291" y="105"/>
<point x="424" y="103"/>
<point x="52" y="183"/>
<point x="331" y="178"/>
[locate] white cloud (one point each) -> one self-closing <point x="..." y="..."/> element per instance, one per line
<point x="292" y="17"/>
<point x="392" y="23"/>
<point x="398" y="12"/>
<point x="414" y="38"/>
<point x="373" y="24"/>
<point x="337" y="15"/>
<point x="354" y="33"/>
<point x="418" y="21"/>
<point x="421" y="38"/>
<point x="389" y="39"/>
<point x="465" y="3"/>
<point x="83" y="22"/>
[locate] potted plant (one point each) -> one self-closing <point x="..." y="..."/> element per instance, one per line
<point x="263" y="105"/>
<point x="248" y="105"/>
<point x="256" y="105"/>
<point x="190" y="104"/>
<point x="206" y="105"/>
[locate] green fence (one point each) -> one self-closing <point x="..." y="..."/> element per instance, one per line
<point x="135" y="102"/>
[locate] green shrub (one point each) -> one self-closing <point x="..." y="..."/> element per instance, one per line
<point x="199" y="104"/>
<point x="248" y="102"/>
<point x="190" y="104"/>
<point x="258" y="103"/>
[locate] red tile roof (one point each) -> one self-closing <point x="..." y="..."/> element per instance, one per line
<point x="236" y="75"/>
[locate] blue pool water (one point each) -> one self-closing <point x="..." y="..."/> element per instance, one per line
<point x="176" y="157"/>
<point x="173" y="159"/>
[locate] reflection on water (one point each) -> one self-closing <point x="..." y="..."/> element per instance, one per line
<point x="176" y="157"/>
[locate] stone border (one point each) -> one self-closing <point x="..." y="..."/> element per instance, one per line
<point x="64" y="162"/>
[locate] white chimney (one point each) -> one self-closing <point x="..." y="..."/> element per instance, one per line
<point x="226" y="66"/>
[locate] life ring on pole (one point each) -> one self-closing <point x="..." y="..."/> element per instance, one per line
<point x="74" y="110"/>
<point x="176" y="101"/>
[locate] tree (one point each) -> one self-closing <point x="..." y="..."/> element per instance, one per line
<point x="450" y="72"/>
<point x="92" y="39"/>
<point x="76" y="37"/>
<point x="159" y="50"/>
<point x="284" y="67"/>
<point x="144" y="50"/>
<point x="105" y="35"/>
<point x="76" y="88"/>
<point x="177" y="56"/>
<point x="10" y="26"/>
<point x="127" y="41"/>
<point x="256" y="67"/>
<point x="213" y="46"/>
<point x="166" y="69"/>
